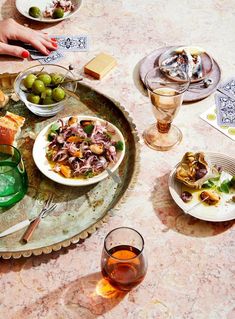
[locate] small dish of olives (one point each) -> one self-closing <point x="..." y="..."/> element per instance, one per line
<point x="44" y="89"/>
<point x="47" y="10"/>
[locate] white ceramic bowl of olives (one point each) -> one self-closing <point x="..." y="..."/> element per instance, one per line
<point x="44" y="89"/>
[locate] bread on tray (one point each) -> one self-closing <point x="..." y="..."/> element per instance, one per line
<point x="10" y="127"/>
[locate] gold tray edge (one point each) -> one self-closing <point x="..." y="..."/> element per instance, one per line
<point x="90" y="230"/>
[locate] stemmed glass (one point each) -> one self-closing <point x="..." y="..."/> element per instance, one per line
<point x="166" y="95"/>
<point x="123" y="261"/>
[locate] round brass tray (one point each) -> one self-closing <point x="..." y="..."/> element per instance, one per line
<point x="80" y="210"/>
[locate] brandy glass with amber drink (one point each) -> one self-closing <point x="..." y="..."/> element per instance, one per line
<point x="123" y="262"/>
<point x="166" y="95"/>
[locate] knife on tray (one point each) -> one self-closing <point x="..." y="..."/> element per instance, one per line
<point x="15" y="228"/>
<point x="34" y="221"/>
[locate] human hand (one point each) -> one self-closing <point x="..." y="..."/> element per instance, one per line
<point x="11" y="30"/>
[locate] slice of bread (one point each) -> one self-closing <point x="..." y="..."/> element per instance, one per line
<point x="10" y="127"/>
<point x="4" y="99"/>
<point x="19" y="120"/>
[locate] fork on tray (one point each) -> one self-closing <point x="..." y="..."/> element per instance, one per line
<point x="48" y="208"/>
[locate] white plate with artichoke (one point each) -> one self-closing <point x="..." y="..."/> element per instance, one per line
<point x="203" y="186"/>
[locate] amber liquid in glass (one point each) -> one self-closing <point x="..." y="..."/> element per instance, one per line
<point x="122" y="273"/>
<point x="166" y="102"/>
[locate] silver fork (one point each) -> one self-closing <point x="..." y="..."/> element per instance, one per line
<point x="48" y="208"/>
<point x="201" y="84"/>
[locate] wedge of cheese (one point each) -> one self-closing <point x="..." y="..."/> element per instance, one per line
<point x="100" y="65"/>
<point x="10" y="127"/>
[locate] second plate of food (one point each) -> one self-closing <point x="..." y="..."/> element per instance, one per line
<point x="195" y="61"/>
<point x="48" y="11"/>
<point x="203" y="185"/>
<point x="79" y="150"/>
<point x="196" y="91"/>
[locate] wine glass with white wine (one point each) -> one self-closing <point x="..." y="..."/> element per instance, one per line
<point x="166" y="95"/>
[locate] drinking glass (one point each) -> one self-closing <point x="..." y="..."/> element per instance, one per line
<point x="123" y="261"/>
<point x="166" y="95"/>
<point x="13" y="177"/>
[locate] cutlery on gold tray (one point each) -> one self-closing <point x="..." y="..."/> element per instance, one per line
<point x="114" y="176"/>
<point x="48" y="208"/>
<point x="15" y="228"/>
<point x="45" y="211"/>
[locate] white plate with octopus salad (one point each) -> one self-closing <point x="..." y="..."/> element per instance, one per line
<point x="78" y="150"/>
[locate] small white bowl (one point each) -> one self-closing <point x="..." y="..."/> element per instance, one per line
<point x="24" y="5"/>
<point x="44" y="110"/>
<point x="39" y="156"/>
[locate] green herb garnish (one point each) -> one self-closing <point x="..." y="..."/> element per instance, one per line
<point x="51" y="136"/>
<point x="224" y="186"/>
<point x="211" y="182"/>
<point x="49" y="154"/>
<point x="55" y="126"/>
<point x="88" y="129"/>
<point x="53" y="130"/>
<point x="232" y="182"/>
<point x="208" y="184"/>
<point x="109" y="136"/>
<point x="215" y="179"/>
<point x="119" y="146"/>
<point x="87" y="139"/>
<point x="89" y="174"/>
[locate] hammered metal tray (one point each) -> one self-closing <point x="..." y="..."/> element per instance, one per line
<point x="80" y="210"/>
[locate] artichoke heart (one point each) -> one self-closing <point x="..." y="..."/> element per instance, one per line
<point x="194" y="170"/>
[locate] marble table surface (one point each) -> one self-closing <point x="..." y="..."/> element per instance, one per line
<point x="191" y="262"/>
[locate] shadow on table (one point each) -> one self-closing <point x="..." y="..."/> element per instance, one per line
<point x="175" y="219"/>
<point x="16" y="265"/>
<point x="137" y="81"/>
<point x="87" y="297"/>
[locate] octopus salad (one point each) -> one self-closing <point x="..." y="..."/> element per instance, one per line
<point x="82" y="149"/>
<point x="65" y="5"/>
